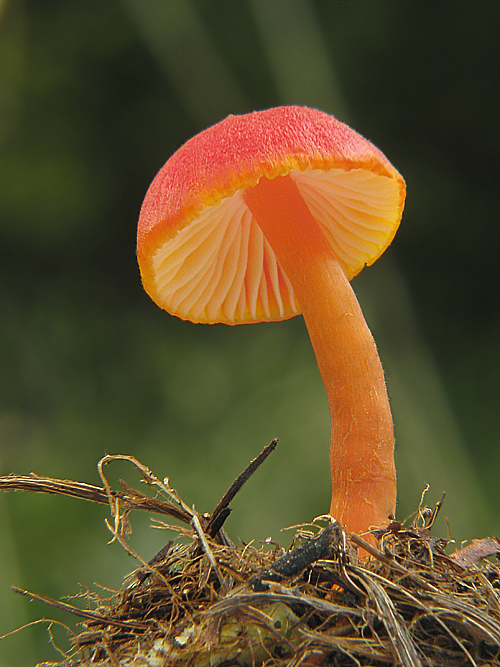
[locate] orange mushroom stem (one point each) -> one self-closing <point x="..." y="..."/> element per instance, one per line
<point x="362" y="438"/>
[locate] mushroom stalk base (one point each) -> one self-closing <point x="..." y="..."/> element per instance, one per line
<point x="362" y="443"/>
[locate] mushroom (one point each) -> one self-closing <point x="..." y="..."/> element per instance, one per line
<point x="268" y="215"/>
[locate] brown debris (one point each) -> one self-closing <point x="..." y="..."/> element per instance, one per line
<point x="476" y="551"/>
<point x="204" y="602"/>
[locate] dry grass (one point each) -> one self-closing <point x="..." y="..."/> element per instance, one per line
<point x="205" y="602"/>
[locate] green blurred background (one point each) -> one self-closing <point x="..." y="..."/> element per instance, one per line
<point x="94" y="96"/>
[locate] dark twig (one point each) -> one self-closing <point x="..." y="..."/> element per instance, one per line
<point x="295" y="561"/>
<point x="221" y="512"/>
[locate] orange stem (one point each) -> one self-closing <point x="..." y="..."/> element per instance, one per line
<point x="362" y="443"/>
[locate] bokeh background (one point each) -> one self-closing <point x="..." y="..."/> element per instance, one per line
<point x="94" y="96"/>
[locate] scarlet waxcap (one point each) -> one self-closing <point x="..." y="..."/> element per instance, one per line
<point x="202" y="255"/>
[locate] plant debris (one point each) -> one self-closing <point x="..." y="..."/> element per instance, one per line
<point x="203" y="601"/>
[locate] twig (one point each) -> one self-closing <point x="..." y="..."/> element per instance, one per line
<point x="221" y="512"/>
<point x="295" y="561"/>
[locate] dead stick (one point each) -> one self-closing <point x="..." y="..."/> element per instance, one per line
<point x="221" y="512"/>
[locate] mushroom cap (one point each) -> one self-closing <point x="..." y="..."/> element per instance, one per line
<point x="202" y="255"/>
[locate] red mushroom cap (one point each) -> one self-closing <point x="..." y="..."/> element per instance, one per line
<point x="204" y="258"/>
